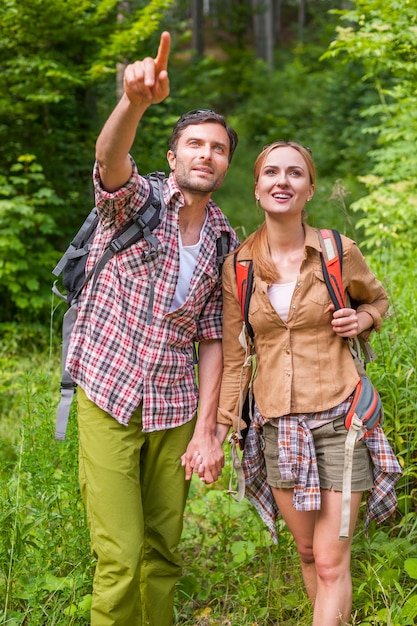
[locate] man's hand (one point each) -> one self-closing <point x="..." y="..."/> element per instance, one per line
<point x="205" y="457"/>
<point x="146" y="82"/>
<point x="204" y="454"/>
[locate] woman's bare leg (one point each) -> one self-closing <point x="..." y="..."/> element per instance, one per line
<point x="301" y="525"/>
<point x="332" y="558"/>
<point x="325" y="560"/>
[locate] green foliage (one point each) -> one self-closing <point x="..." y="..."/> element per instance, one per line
<point x="55" y="60"/>
<point x="356" y="108"/>
<point x="27" y="204"/>
<point x="136" y="24"/>
<point x="383" y="37"/>
<point x="48" y="97"/>
<point x="389" y="216"/>
<point x="386" y="590"/>
<point x="248" y="581"/>
<point x="45" y="565"/>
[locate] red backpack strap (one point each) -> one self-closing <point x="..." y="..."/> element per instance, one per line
<point x="244" y="279"/>
<point x="331" y="261"/>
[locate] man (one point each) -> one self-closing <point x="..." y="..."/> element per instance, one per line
<point x="137" y="395"/>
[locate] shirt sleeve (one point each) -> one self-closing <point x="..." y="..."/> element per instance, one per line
<point x="236" y="377"/>
<point x="364" y="288"/>
<point x="118" y="207"/>
<point x="210" y="322"/>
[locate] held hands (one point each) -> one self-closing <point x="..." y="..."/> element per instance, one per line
<point x="146" y="82"/>
<point x="204" y="456"/>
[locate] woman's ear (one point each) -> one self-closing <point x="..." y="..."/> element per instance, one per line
<point x="311" y="193"/>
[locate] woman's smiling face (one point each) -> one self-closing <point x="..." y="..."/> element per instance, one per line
<point x="284" y="185"/>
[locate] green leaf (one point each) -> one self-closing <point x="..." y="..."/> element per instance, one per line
<point x="410" y="566"/>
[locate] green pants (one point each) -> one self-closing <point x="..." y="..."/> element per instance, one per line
<point x="134" y="490"/>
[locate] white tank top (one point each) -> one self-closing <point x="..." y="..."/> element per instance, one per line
<point x="188" y="261"/>
<point x="280" y="297"/>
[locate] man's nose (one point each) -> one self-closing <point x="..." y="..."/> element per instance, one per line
<point x="206" y="151"/>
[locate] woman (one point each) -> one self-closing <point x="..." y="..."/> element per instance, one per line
<point x="304" y="380"/>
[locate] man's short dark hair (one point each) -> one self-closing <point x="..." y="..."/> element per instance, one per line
<point x="202" y="116"/>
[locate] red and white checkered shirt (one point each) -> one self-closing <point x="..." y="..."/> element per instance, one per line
<point x="115" y="356"/>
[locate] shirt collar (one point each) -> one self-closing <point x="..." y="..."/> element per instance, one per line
<point x="311" y="241"/>
<point x="311" y="238"/>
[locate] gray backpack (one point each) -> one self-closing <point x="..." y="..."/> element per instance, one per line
<point x="72" y="265"/>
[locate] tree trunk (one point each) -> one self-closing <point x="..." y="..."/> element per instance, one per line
<point x="302" y="12"/>
<point x="197" y="40"/>
<point x="264" y="30"/>
<point x="277" y="20"/>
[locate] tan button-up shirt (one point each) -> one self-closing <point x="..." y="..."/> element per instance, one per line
<point x="302" y="365"/>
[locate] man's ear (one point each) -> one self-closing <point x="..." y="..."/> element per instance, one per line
<point x="171" y="159"/>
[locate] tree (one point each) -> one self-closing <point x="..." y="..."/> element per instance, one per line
<point x="263" y="17"/>
<point x="58" y="62"/>
<point x="382" y="37"/>
<point x="197" y="17"/>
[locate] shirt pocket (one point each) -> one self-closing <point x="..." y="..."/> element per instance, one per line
<point x="136" y="261"/>
<point x="319" y="293"/>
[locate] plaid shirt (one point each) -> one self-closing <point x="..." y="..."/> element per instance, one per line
<point x="296" y="440"/>
<point x="114" y="355"/>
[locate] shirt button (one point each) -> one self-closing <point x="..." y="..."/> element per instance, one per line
<point x="294" y="307"/>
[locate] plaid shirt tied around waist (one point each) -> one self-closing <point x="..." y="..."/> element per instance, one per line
<point x="297" y="460"/>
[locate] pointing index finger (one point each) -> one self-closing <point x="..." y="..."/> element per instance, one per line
<point x="161" y="61"/>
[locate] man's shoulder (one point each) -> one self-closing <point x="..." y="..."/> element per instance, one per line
<point x="217" y="218"/>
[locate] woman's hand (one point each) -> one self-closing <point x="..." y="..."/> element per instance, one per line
<point x="349" y="323"/>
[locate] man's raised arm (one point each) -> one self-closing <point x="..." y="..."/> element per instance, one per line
<point x="146" y="82"/>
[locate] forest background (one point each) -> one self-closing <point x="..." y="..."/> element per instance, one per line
<point x="338" y="76"/>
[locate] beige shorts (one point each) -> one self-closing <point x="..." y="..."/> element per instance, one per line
<point x="329" y="441"/>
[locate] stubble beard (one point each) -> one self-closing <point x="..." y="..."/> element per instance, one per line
<point x="196" y="185"/>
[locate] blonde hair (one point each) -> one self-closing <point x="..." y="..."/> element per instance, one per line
<point x="257" y="242"/>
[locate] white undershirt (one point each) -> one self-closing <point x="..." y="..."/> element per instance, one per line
<point x="188" y="261"/>
<point x="280" y="296"/>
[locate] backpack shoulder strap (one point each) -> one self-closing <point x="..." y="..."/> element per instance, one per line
<point x="244" y="279"/>
<point x="74" y="250"/>
<point x="222" y="248"/>
<point x="331" y="262"/>
<point x="141" y="225"/>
